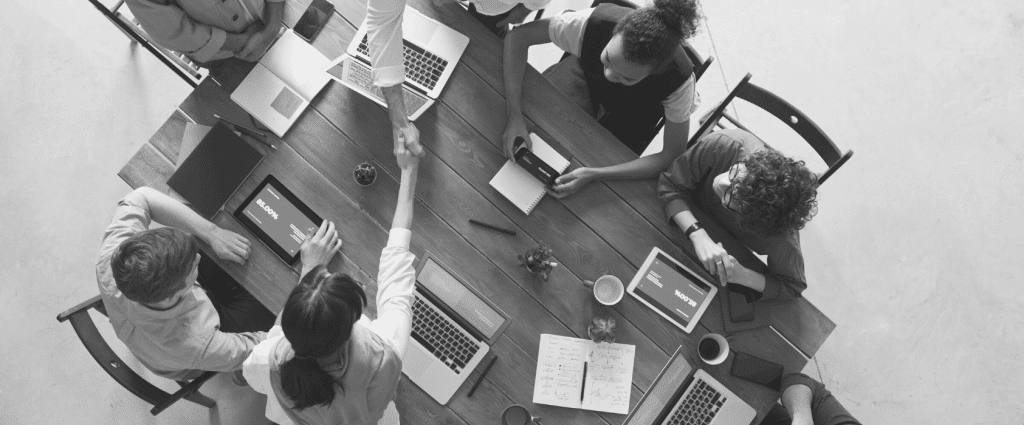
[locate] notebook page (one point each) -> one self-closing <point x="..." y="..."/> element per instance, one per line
<point x="267" y="98"/>
<point x="559" y="371"/>
<point x="519" y="186"/>
<point x="298" y="64"/>
<point x="609" y="377"/>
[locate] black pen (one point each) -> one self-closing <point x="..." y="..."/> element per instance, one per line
<point x="583" y="387"/>
<point x="262" y="137"/>
<point x="482" y="375"/>
<point x="493" y="227"/>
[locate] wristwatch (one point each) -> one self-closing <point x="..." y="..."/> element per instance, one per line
<point x="693" y="228"/>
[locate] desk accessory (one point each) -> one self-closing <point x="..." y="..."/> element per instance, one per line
<point x="713" y="349"/>
<point x="538" y="261"/>
<point x="518" y="415"/>
<point x="672" y="290"/>
<point x="602" y="371"/>
<point x="758" y="318"/>
<point x="493" y="227"/>
<point x="365" y="174"/>
<point x="608" y="289"/>
<point x="278" y="218"/>
<point x="756" y="369"/>
<point x="602" y="329"/>
<point x="314" y="19"/>
<point x="283" y="83"/>
<point x="212" y="172"/>
<point x="483" y="375"/>
<point x="518" y="185"/>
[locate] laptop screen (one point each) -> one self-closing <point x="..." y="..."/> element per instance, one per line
<point x="672" y="289"/>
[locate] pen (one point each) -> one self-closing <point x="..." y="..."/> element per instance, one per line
<point x="493" y="227"/>
<point x="262" y="137"/>
<point x="482" y="375"/>
<point x="583" y="388"/>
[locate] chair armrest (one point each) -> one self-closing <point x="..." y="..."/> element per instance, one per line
<point x="93" y="302"/>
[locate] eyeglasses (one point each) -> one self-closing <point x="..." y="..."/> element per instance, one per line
<point x="727" y="196"/>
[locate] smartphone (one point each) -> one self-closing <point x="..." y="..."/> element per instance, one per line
<point x="741" y="306"/>
<point x="314" y="19"/>
<point x="535" y="166"/>
<point x="756" y="369"/>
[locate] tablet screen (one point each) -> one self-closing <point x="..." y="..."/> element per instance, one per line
<point x="671" y="289"/>
<point x="279" y="217"/>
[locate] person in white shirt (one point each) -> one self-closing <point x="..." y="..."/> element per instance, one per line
<point x="325" y="362"/>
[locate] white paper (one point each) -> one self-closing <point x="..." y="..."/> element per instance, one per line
<point x="560" y="374"/>
<point x="518" y="185"/>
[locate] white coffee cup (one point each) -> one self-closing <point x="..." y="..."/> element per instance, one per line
<point x="608" y="289"/>
<point x="703" y="349"/>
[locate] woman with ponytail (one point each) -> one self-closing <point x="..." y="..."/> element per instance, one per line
<point x="326" y="363"/>
<point x="626" y="68"/>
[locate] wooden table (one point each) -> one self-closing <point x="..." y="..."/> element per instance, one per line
<point x="607" y="228"/>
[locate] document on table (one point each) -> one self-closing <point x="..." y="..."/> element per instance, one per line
<point x="582" y="374"/>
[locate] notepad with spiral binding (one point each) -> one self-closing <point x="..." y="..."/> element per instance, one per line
<point x="518" y="185"/>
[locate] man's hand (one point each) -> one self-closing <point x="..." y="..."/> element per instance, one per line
<point x="407" y="161"/>
<point x="408" y="136"/>
<point x="516" y="127"/>
<point x="257" y="44"/>
<point x="571" y="182"/>
<point x="320" y="248"/>
<point x="713" y="256"/>
<point x="228" y="245"/>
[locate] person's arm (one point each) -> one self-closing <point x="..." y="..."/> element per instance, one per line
<point x="517" y="47"/>
<point x="810" y="403"/>
<point x="225" y="352"/>
<point x="226" y="244"/>
<point x="258" y="43"/>
<point x="387" y="54"/>
<point x="170" y="27"/>
<point x="797" y="401"/>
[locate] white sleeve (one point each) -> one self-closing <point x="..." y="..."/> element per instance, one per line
<point x="384" y="35"/>
<point x="396" y="280"/>
<point x="566" y="30"/>
<point x="256" y="370"/>
<point x="682" y="103"/>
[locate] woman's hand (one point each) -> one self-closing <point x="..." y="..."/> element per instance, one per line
<point x="571" y="182"/>
<point x="515" y="128"/>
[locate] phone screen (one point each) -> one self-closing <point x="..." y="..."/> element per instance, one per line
<point x="758" y="370"/>
<point x="314" y="19"/>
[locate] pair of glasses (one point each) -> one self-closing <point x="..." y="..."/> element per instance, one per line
<point x="727" y="196"/>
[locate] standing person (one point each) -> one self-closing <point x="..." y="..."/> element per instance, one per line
<point x="626" y="68"/>
<point x="755" y="193"/>
<point x="209" y="31"/>
<point x="148" y="281"/>
<point x="325" y="363"/>
<point x="807" y="402"/>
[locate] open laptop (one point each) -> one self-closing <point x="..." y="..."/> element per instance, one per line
<point x="672" y="290"/>
<point x="453" y="328"/>
<point x="431" y="52"/>
<point x="680" y="397"/>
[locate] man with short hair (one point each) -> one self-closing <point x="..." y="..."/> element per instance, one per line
<point x="209" y="31"/>
<point x="755" y="193"/>
<point x="148" y="280"/>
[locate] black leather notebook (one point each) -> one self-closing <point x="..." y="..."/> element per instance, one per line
<point x="208" y="177"/>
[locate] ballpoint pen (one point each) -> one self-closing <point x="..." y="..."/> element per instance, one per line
<point x="262" y="137"/>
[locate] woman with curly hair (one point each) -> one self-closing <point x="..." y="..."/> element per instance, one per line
<point x="626" y="68"/>
<point x="759" y="195"/>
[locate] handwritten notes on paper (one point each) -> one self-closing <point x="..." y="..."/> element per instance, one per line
<point x="582" y="374"/>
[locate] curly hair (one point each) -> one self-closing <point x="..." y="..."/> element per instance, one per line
<point x="651" y="34"/>
<point x="776" y="194"/>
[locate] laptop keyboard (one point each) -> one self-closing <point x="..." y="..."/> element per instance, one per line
<point x="421" y="66"/>
<point x="360" y="75"/>
<point x="440" y="336"/>
<point x="699" y="407"/>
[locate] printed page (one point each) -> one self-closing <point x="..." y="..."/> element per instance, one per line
<point x="549" y="155"/>
<point x="298" y="64"/>
<point x="560" y="371"/>
<point x="609" y="377"/>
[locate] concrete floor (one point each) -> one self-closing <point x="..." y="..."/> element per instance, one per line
<point x="915" y="252"/>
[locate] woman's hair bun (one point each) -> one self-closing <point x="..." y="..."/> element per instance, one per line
<point x="682" y="16"/>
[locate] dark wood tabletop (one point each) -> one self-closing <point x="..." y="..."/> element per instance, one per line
<point x="607" y="228"/>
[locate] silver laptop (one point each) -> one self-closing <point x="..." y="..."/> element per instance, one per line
<point x="671" y="400"/>
<point x="431" y="52"/>
<point x="453" y="327"/>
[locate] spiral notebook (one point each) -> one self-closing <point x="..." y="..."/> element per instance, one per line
<point x="521" y="187"/>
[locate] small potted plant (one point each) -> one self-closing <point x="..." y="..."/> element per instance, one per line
<point x="538" y="261"/>
<point x="602" y="329"/>
<point x="365" y="174"/>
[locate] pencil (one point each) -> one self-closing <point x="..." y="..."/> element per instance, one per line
<point x="258" y="135"/>
<point x="482" y="375"/>
<point x="493" y="227"/>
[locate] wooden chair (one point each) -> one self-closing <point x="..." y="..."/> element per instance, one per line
<point x="117" y="369"/>
<point x="785" y="112"/>
<point x="188" y="70"/>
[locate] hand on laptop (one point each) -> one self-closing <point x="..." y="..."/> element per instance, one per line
<point x="319" y="248"/>
<point x="516" y="127"/>
<point x="571" y="182"/>
<point x="228" y="245"/>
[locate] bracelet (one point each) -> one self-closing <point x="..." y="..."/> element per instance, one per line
<point x="693" y="228"/>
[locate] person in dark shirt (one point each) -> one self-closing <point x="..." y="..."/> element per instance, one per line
<point x="807" y="402"/>
<point x="755" y="193"/>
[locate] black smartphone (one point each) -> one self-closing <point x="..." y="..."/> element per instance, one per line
<point x="314" y="19"/>
<point x="756" y="369"/>
<point x="741" y="305"/>
<point x="535" y="166"/>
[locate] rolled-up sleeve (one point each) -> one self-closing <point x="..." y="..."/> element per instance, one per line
<point x="566" y="30"/>
<point x="683" y="102"/>
<point x="226" y="351"/>
<point x="384" y="37"/>
<point x="396" y="281"/>
<point x="170" y="27"/>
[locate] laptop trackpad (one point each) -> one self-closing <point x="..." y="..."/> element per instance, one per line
<point x="416" y="361"/>
<point x="417" y="29"/>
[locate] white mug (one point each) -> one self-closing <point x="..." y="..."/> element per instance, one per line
<point x="608" y="289"/>
<point x="723" y="349"/>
